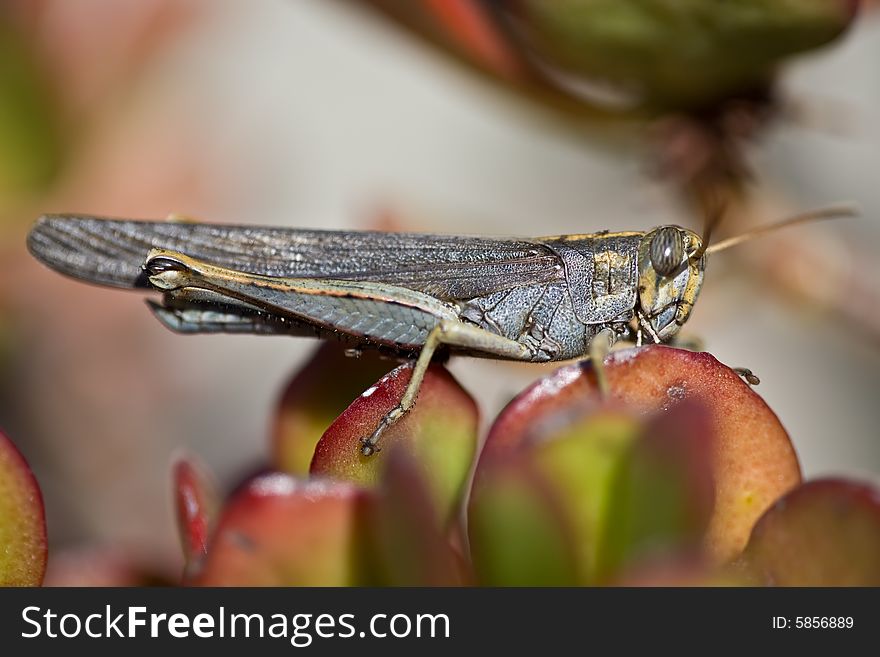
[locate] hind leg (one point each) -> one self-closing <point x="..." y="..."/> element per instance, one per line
<point x="452" y="333"/>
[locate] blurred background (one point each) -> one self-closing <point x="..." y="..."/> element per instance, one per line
<point x="324" y="114"/>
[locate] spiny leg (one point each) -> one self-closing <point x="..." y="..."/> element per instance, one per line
<point x="452" y="333"/>
<point x="691" y="343"/>
<point x="645" y="325"/>
<point x="600" y="347"/>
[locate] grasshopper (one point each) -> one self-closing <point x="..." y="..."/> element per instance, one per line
<point x="536" y="300"/>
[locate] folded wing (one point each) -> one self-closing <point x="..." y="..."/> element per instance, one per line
<point x="112" y="252"/>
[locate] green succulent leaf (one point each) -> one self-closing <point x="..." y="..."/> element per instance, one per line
<point x="581" y="463"/>
<point x="23" y="546"/>
<point x="518" y="533"/>
<point x="411" y="545"/>
<point x="662" y="496"/>
<point x="679" y="53"/>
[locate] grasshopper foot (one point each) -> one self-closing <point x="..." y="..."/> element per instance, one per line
<point x="370" y="444"/>
<point x="367" y="448"/>
<point x="748" y="375"/>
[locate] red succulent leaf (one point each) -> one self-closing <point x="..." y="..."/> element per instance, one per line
<point x="754" y="460"/>
<point x="469" y="26"/>
<point x="563" y="392"/>
<point x="277" y="530"/>
<point x="23" y="544"/>
<point x="621" y="486"/>
<point x="316" y="395"/>
<point x="823" y="533"/>
<point x="440" y="432"/>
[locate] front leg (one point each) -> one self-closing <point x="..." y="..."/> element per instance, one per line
<point x="691" y="343"/>
<point x="600" y="347"/>
<point x="452" y="333"/>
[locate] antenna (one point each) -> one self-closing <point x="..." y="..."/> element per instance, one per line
<point x="832" y="212"/>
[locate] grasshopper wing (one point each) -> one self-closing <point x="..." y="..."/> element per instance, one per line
<point x="447" y="267"/>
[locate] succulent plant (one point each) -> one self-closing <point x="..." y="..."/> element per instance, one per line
<point x="681" y="475"/>
<point x="661" y="482"/>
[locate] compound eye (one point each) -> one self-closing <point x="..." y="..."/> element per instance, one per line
<point x="667" y="250"/>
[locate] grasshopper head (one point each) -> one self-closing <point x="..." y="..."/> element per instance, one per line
<point x="671" y="265"/>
